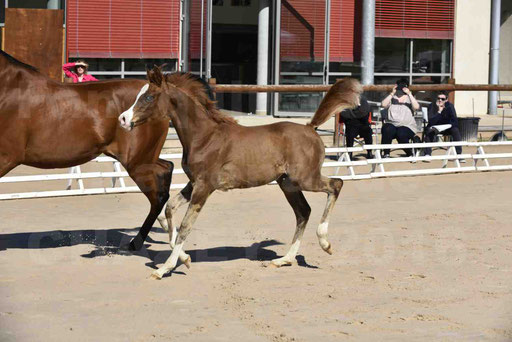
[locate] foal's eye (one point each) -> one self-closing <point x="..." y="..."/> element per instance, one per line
<point x="149" y="98"/>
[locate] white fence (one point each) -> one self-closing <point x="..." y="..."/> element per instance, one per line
<point x="375" y="168"/>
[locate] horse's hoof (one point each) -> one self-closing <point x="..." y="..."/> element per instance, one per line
<point x="188" y="262"/>
<point x="328" y="250"/>
<point x="135" y="245"/>
<point x="278" y="264"/>
<point x="127" y="249"/>
<point x="155" y="276"/>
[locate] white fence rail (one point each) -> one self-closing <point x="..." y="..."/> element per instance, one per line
<point x="375" y="168"/>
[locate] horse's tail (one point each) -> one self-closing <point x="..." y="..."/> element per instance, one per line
<point x="342" y="95"/>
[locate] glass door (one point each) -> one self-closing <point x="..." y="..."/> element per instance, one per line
<point x="200" y="37"/>
<point x="300" y="51"/>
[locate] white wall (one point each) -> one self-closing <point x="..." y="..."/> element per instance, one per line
<point x="471" y="53"/>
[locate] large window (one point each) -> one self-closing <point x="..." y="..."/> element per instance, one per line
<point x="392" y="55"/>
<point x="421" y="61"/>
<point x="41" y="4"/>
<point x="106" y="68"/>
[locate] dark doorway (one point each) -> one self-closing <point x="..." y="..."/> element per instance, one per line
<point x="234" y="61"/>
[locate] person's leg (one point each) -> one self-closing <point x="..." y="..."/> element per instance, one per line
<point x="404" y="135"/>
<point x="455" y="133"/>
<point x="350" y="135"/>
<point x="430" y="135"/>
<point x="366" y="133"/>
<point x="388" y="134"/>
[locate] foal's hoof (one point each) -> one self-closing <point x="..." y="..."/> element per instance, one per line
<point x="155" y="276"/>
<point x="279" y="263"/>
<point x="188" y="262"/>
<point x="328" y="250"/>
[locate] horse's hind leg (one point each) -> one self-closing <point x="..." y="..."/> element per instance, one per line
<point x="302" y="210"/>
<point x="332" y="186"/>
<point x="199" y="196"/>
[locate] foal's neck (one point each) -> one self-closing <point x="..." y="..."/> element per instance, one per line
<point x="192" y="122"/>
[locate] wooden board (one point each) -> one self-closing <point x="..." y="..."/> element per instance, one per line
<point x="34" y="36"/>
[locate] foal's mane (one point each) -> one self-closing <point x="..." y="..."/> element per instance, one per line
<point x="196" y="90"/>
<point x="16" y="62"/>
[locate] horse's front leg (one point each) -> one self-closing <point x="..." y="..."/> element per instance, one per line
<point x="198" y="199"/>
<point x="166" y="215"/>
<point x="154" y="181"/>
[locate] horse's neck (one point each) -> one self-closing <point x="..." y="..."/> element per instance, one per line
<point x="193" y="125"/>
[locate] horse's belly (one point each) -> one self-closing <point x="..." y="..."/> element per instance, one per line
<point x="248" y="176"/>
<point x="58" y="158"/>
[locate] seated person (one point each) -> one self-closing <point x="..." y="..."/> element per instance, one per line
<point x="400" y="123"/>
<point x="357" y="123"/>
<point x="442" y="118"/>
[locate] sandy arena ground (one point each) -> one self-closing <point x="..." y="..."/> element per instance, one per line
<point x="419" y="258"/>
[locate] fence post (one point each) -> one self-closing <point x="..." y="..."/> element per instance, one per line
<point x="117" y="168"/>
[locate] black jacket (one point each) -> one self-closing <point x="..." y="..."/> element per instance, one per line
<point x="357" y="116"/>
<point x="447" y="116"/>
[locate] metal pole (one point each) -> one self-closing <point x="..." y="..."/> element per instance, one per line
<point x="298" y="88"/>
<point x="327" y="40"/>
<point x="262" y="77"/>
<point x="185" y="36"/>
<point x="277" y="53"/>
<point x="495" y="54"/>
<point x="209" y="18"/>
<point x="368" y="44"/>
<point x="202" y="40"/>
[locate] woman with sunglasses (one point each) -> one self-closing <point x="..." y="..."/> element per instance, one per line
<point x="77" y="71"/>
<point x="442" y="112"/>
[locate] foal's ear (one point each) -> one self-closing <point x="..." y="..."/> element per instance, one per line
<point x="155" y="76"/>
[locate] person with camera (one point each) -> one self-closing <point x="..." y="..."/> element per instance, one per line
<point x="442" y="119"/>
<point x="399" y="123"/>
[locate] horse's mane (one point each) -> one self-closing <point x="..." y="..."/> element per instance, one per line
<point x="16" y="62"/>
<point x="197" y="89"/>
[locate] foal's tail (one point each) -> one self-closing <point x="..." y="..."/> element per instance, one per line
<point x="342" y="95"/>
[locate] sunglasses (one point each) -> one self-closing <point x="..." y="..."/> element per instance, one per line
<point x="441" y="98"/>
<point x="80" y="66"/>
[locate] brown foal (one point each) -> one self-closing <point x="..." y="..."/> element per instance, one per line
<point x="47" y="124"/>
<point x="219" y="154"/>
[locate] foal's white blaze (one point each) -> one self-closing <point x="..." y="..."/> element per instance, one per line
<point x="126" y="117"/>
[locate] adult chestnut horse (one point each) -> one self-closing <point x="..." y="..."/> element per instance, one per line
<point x="47" y="124"/>
<point x="219" y="154"/>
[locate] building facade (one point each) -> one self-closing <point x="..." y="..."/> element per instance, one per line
<point x="283" y="42"/>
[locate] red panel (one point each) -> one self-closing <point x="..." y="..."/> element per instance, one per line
<point x="123" y="28"/>
<point x="341" y="44"/>
<point x="296" y="36"/>
<point x="415" y="18"/>
<point x="195" y="28"/>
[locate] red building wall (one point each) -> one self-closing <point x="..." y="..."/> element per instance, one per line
<point x="434" y="19"/>
<point x="123" y="28"/>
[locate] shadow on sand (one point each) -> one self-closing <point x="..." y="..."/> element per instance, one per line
<point x="108" y="242"/>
